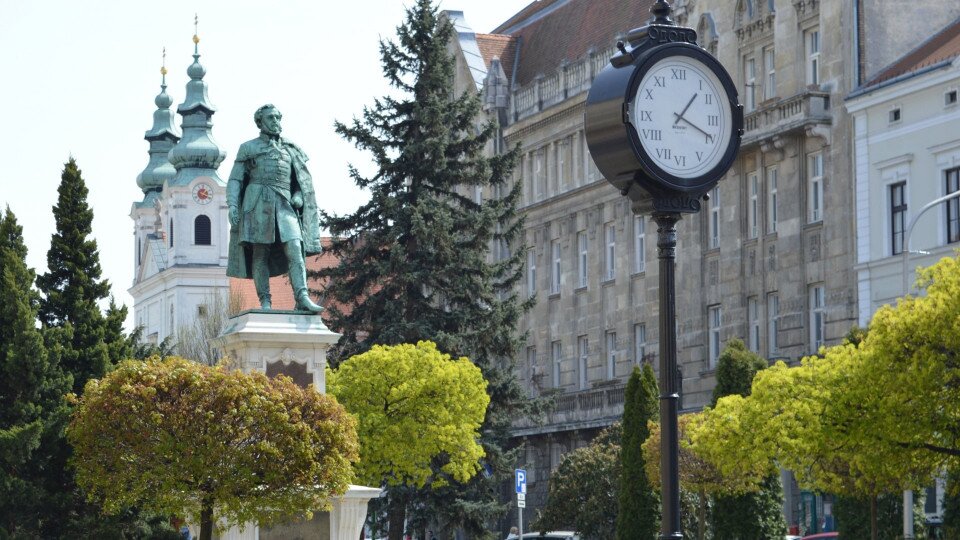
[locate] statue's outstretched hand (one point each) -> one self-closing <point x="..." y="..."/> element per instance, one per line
<point x="234" y="216"/>
<point x="297" y="200"/>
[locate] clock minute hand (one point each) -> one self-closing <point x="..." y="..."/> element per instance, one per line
<point x="684" y="111"/>
<point x="696" y="127"/>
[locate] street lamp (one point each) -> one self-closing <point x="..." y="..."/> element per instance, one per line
<point x="663" y="125"/>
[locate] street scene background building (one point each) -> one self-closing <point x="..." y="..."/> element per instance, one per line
<point x="771" y="259"/>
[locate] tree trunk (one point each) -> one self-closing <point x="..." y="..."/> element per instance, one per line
<point x="206" y="518"/>
<point x="397" y="515"/>
<point x="701" y="515"/>
<point x="873" y="518"/>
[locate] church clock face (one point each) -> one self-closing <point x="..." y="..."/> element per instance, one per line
<point x="202" y="193"/>
<point x="682" y="116"/>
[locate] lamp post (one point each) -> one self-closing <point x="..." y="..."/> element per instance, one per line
<point x="663" y="125"/>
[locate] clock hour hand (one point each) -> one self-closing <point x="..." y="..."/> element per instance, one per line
<point x="694" y="126"/>
<point x="684" y="111"/>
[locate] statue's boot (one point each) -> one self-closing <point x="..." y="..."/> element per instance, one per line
<point x="261" y="275"/>
<point x="298" y="279"/>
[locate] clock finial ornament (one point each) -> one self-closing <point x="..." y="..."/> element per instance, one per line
<point x="661" y="11"/>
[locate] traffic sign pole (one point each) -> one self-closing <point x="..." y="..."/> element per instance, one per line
<point x="521" y="485"/>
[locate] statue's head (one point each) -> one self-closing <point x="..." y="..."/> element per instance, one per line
<point x="267" y="119"/>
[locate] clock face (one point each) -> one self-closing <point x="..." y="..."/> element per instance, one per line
<point x="682" y="116"/>
<point x="202" y="193"/>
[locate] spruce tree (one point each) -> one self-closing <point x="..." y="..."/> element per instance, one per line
<point x="639" y="515"/>
<point x="72" y="286"/>
<point x="32" y="389"/>
<point x="414" y="259"/>
<point x="752" y="515"/>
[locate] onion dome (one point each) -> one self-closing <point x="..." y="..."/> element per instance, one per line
<point x="162" y="138"/>
<point x="197" y="154"/>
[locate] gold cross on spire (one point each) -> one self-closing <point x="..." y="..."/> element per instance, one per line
<point x="163" y="66"/>
<point x="196" y="37"/>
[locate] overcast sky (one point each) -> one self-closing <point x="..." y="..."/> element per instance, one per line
<point x="79" y="78"/>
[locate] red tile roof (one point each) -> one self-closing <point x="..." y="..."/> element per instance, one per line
<point x="568" y="30"/>
<point x="281" y="292"/>
<point x="944" y="45"/>
<point x="499" y="46"/>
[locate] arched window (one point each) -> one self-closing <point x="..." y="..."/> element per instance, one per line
<point x="201" y="231"/>
<point x="171" y="232"/>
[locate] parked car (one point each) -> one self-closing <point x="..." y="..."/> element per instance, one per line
<point x="821" y="536"/>
<point x="551" y="535"/>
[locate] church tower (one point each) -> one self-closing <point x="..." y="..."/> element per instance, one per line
<point x="181" y="228"/>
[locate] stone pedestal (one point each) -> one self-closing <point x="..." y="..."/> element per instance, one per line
<point x="295" y="344"/>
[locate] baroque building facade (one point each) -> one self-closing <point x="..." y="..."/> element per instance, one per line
<point x="769" y="260"/>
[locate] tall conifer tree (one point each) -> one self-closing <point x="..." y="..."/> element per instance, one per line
<point x="752" y="515"/>
<point x="639" y="515"/>
<point x="72" y="286"/>
<point x="32" y="389"/>
<point x="414" y="259"/>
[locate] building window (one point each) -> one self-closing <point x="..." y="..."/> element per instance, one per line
<point x="583" y="350"/>
<point x="950" y="98"/>
<point x="639" y="342"/>
<point x="139" y="250"/>
<point x="815" y="186"/>
<point x="898" y="216"/>
<point x="171" y="232"/>
<point x="563" y="163"/>
<point x="952" y="178"/>
<point x="713" y="223"/>
<point x="531" y="363"/>
<point x="610" y="253"/>
<point x="812" y="41"/>
<point x="894" y="115"/>
<point x="611" y="338"/>
<point x="639" y="244"/>
<point x="555" y="360"/>
<point x="539" y="178"/>
<point x="749" y="84"/>
<point x="818" y="319"/>
<point x="753" y="319"/>
<point x="582" y="259"/>
<point x="531" y="272"/>
<point x="772" y="199"/>
<point x="201" y="231"/>
<point x="770" y="73"/>
<point x="713" y="318"/>
<point x="753" y="208"/>
<point x="773" y="323"/>
<point x="555" y="267"/>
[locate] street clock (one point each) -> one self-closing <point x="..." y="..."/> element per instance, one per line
<point x="662" y="120"/>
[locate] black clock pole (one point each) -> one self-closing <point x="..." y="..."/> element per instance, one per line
<point x="669" y="385"/>
<point x="615" y="143"/>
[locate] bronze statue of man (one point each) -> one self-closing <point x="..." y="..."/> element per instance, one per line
<point x="274" y="223"/>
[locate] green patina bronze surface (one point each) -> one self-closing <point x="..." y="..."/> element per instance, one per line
<point x="273" y="211"/>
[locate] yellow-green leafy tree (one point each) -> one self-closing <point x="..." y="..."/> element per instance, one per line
<point x="419" y="414"/>
<point x="812" y="419"/>
<point x="209" y="444"/>
<point x="698" y="474"/>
